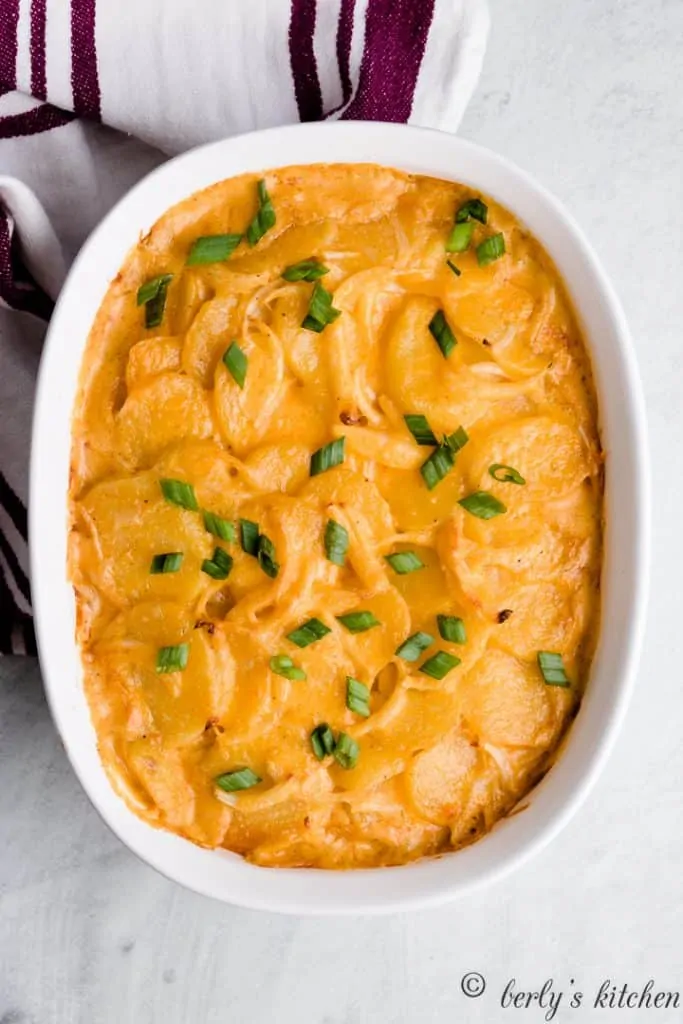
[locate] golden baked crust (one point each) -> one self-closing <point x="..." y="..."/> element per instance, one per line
<point x="440" y="760"/>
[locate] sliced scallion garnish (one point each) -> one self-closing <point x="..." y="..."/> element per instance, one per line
<point x="403" y="562"/>
<point x="282" y="665"/>
<point x="219" y="565"/>
<point x="552" y="668"/>
<point x="152" y="294"/>
<point x="336" y="542"/>
<point x="473" y="209"/>
<point x="439" y="665"/>
<point x="412" y="648"/>
<point x="357" y="697"/>
<point x="358" y="622"/>
<point x="305" y="270"/>
<point x="346" y="751"/>
<point x="236" y="363"/>
<point x="327" y="457"/>
<point x="482" y="505"/>
<point x="264" y="218"/>
<point x="420" y="429"/>
<point x="457" y="440"/>
<point x="179" y="492"/>
<point x="460" y="237"/>
<point x="321" y="312"/>
<point x="308" y="633"/>
<point x="442" y="334"/>
<point x="249" y="534"/>
<point x="212" y="249"/>
<point x="266" y="556"/>
<point x="322" y="741"/>
<point x="241" y="778"/>
<point x="437" y="466"/>
<point x="490" y="249"/>
<point x="172" y="659"/>
<point x="150" y="289"/>
<point x="218" y="526"/>
<point x="451" y="628"/>
<point x="168" y="562"/>
<point x="505" y="474"/>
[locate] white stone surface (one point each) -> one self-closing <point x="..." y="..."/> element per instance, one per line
<point x="587" y="96"/>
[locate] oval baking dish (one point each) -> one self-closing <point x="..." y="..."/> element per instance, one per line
<point x="547" y="807"/>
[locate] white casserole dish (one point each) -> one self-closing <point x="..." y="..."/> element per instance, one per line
<point x="224" y="875"/>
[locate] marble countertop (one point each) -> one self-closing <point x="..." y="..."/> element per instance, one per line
<point x="585" y="95"/>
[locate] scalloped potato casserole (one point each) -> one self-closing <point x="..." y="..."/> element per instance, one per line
<point x="336" y="516"/>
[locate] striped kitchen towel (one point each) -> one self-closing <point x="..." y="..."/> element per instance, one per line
<point x="96" y="93"/>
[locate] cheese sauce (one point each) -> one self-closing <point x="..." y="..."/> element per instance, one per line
<point x="223" y="713"/>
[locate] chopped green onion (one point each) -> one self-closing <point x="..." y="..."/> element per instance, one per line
<point x="219" y="566"/>
<point x="152" y="294"/>
<point x="305" y="270"/>
<point x="460" y="237"/>
<point x="169" y="562"/>
<point x="308" y="633"/>
<point x="404" y="562"/>
<point x="236" y="363"/>
<point x="482" y="505"/>
<point x="358" y="622"/>
<point x="457" y="440"/>
<point x="322" y="741"/>
<point x="439" y="665"/>
<point x="420" y="429"/>
<point x="336" y="542"/>
<point x="473" y="209"/>
<point x="412" y="648"/>
<point x="241" y="778"/>
<point x="282" y="665"/>
<point x="266" y="556"/>
<point x="552" y="668"/>
<point x="357" y="697"/>
<point x="249" y="534"/>
<point x="212" y="249"/>
<point x="451" y="628"/>
<point x="437" y="466"/>
<point x="150" y="289"/>
<point x="321" y="312"/>
<point x="456" y="270"/>
<point x="264" y="218"/>
<point x="218" y="526"/>
<point x="490" y="250"/>
<point x="172" y="659"/>
<point x="178" y="492"/>
<point x="442" y="334"/>
<point x="346" y="751"/>
<point x="505" y="474"/>
<point x="327" y="457"/>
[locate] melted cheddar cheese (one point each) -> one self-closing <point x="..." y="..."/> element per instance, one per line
<point x="437" y="760"/>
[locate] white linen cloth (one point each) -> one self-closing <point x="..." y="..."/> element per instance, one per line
<point x="168" y="75"/>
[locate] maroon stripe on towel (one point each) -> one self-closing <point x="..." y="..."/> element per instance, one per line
<point x="32" y="122"/>
<point x="396" y="34"/>
<point x="85" y="82"/>
<point x="17" y="287"/>
<point x="29" y="635"/>
<point x="344" y="38"/>
<point x="9" y="615"/>
<point x="13" y="506"/>
<point x="9" y="19"/>
<point x="309" y="98"/>
<point x="18" y="574"/>
<point x="38" y="80"/>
